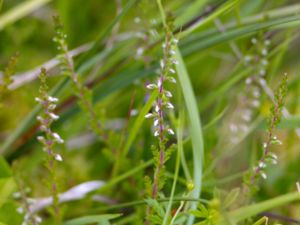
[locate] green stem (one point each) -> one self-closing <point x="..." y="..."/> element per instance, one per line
<point x="177" y="166"/>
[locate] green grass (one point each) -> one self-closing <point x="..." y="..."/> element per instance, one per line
<point x="220" y="117"/>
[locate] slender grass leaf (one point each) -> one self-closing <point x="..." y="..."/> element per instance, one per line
<point x="195" y="127"/>
<point x="138" y="123"/>
<point x="208" y="40"/>
<point x="20" y="11"/>
<point x="216" y="119"/>
<point x="225" y="7"/>
<point x="190" y="12"/>
<point x="124" y="176"/>
<point x="255" y="209"/>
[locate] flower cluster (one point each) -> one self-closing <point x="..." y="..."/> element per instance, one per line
<point x="163" y="101"/>
<point x="161" y="127"/>
<point x="49" y="104"/>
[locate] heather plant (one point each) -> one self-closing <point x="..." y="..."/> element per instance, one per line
<point x="49" y="140"/>
<point x="149" y="112"/>
<point x="161" y="128"/>
<point x="267" y="156"/>
<point x="67" y="67"/>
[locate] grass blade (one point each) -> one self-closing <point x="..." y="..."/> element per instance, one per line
<point x="190" y="12"/>
<point x="212" y="39"/>
<point x="138" y="123"/>
<point x="20" y="11"/>
<point x="195" y="128"/>
<point x="225" y="7"/>
<point x="252" y="210"/>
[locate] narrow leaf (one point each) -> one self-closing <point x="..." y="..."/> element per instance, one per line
<point x="195" y="128"/>
<point x="21" y="10"/>
<point x="255" y="209"/>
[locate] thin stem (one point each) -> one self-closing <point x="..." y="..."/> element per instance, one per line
<point x="177" y="166"/>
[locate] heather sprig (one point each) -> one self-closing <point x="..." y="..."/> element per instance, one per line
<point x="268" y="157"/>
<point x="162" y="129"/>
<point x="67" y="66"/>
<point x="49" y="139"/>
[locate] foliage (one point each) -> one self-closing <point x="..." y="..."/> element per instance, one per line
<point x="171" y="112"/>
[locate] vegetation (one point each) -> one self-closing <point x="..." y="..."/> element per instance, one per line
<point x="149" y="112"/>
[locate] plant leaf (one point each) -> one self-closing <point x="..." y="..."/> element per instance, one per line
<point x="195" y="127"/>
<point x="252" y="210"/>
<point x="20" y="11"/>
